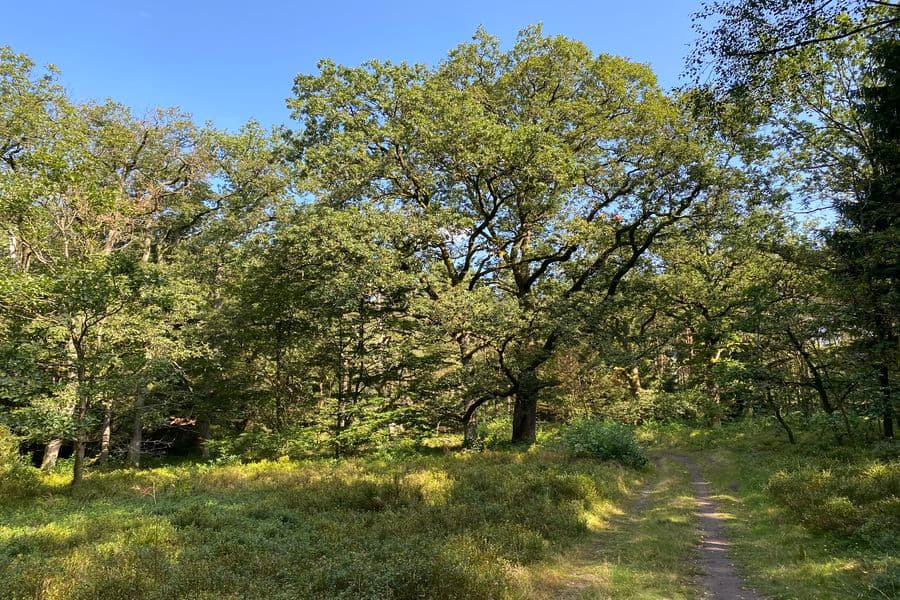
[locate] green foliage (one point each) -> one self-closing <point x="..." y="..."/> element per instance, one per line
<point x="17" y="478"/>
<point x="262" y="444"/>
<point x="744" y="41"/>
<point x="533" y="179"/>
<point x="537" y="223"/>
<point x="813" y="435"/>
<point x="605" y="440"/>
<point x="818" y="81"/>
<point x="808" y="521"/>
<point x="651" y="405"/>
<point x="451" y="526"/>
<point x="495" y="433"/>
<point x="861" y="498"/>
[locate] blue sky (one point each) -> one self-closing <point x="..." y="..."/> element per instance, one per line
<point x="229" y="61"/>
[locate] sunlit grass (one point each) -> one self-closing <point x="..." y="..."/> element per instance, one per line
<point x="807" y="522"/>
<point x="644" y="553"/>
<point x="441" y="526"/>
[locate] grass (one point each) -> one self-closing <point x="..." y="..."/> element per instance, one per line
<point x="806" y="521"/>
<point x="811" y="521"/>
<point x="644" y="554"/>
<point x="436" y="526"/>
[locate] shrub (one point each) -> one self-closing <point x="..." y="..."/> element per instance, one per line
<point x="263" y="444"/>
<point x="848" y="499"/>
<point x="16" y="476"/>
<point x="606" y="440"/>
<point x="495" y="433"/>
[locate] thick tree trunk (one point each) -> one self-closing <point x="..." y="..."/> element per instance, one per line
<point x="134" y="446"/>
<point x="525" y="409"/>
<point x="51" y="454"/>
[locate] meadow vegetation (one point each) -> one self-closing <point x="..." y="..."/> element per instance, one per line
<point x="550" y="521"/>
<point x="436" y="524"/>
<point x="809" y="520"/>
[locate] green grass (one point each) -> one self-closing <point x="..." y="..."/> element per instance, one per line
<point x="437" y="526"/>
<point x="810" y="521"/>
<point x="806" y="521"/>
<point x="646" y="553"/>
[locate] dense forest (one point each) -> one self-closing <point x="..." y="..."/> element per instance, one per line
<point x="523" y="235"/>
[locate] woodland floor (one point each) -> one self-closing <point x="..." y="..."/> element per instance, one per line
<point x="731" y="514"/>
<point x="674" y="526"/>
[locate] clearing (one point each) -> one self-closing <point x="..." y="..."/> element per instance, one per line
<point x="711" y="519"/>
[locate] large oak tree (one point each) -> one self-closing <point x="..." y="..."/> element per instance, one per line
<point x="532" y="172"/>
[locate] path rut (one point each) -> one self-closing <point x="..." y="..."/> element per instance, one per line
<point x="720" y="579"/>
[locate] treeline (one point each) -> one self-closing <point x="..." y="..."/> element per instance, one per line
<point x="534" y="232"/>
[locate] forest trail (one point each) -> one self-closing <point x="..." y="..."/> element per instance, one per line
<point x="670" y="544"/>
<point x="642" y="552"/>
<point x="718" y="577"/>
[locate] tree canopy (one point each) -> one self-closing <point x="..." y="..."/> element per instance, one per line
<point x="528" y="232"/>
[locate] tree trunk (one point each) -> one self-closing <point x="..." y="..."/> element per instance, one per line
<point x="80" y="415"/>
<point x="470" y="430"/>
<point x="779" y="417"/>
<point x="105" y="434"/>
<point x="134" y="446"/>
<point x="884" y="384"/>
<point x="818" y="382"/>
<point x="51" y="453"/>
<point x="717" y="400"/>
<point x="203" y="436"/>
<point x="525" y="408"/>
<point x="51" y="450"/>
<point x="784" y="425"/>
<point x="78" y="470"/>
<point x="634" y="382"/>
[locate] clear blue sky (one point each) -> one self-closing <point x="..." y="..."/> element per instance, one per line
<point x="229" y="61"/>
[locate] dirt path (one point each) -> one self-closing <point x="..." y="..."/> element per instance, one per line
<point x="719" y="577"/>
<point x="641" y="553"/>
<point x="668" y="544"/>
